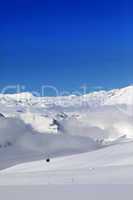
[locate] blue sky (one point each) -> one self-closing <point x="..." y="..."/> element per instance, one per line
<point x="66" y="43"/>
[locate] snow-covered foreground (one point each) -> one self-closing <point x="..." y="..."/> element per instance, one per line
<point x="113" y="164"/>
<point x="88" y="139"/>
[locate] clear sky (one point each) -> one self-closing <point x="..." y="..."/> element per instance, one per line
<point x="66" y="43"/>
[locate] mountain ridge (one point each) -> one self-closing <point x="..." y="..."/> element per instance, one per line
<point x="103" y="97"/>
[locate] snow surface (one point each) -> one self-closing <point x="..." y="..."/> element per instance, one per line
<point x="89" y="139"/>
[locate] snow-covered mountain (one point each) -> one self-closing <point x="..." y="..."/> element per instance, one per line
<point x="33" y="128"/>
<point x="95" y="99"/>
<point x="40" y="112"/>
<point x="97" y="112"/>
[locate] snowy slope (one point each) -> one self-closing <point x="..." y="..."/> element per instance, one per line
<point x="88" y="138"/>
<point x="112" y="164"/>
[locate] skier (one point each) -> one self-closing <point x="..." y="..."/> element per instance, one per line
<point x="48" y="160"/>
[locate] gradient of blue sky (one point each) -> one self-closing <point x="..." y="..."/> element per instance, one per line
<point x="66" y="43"/>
